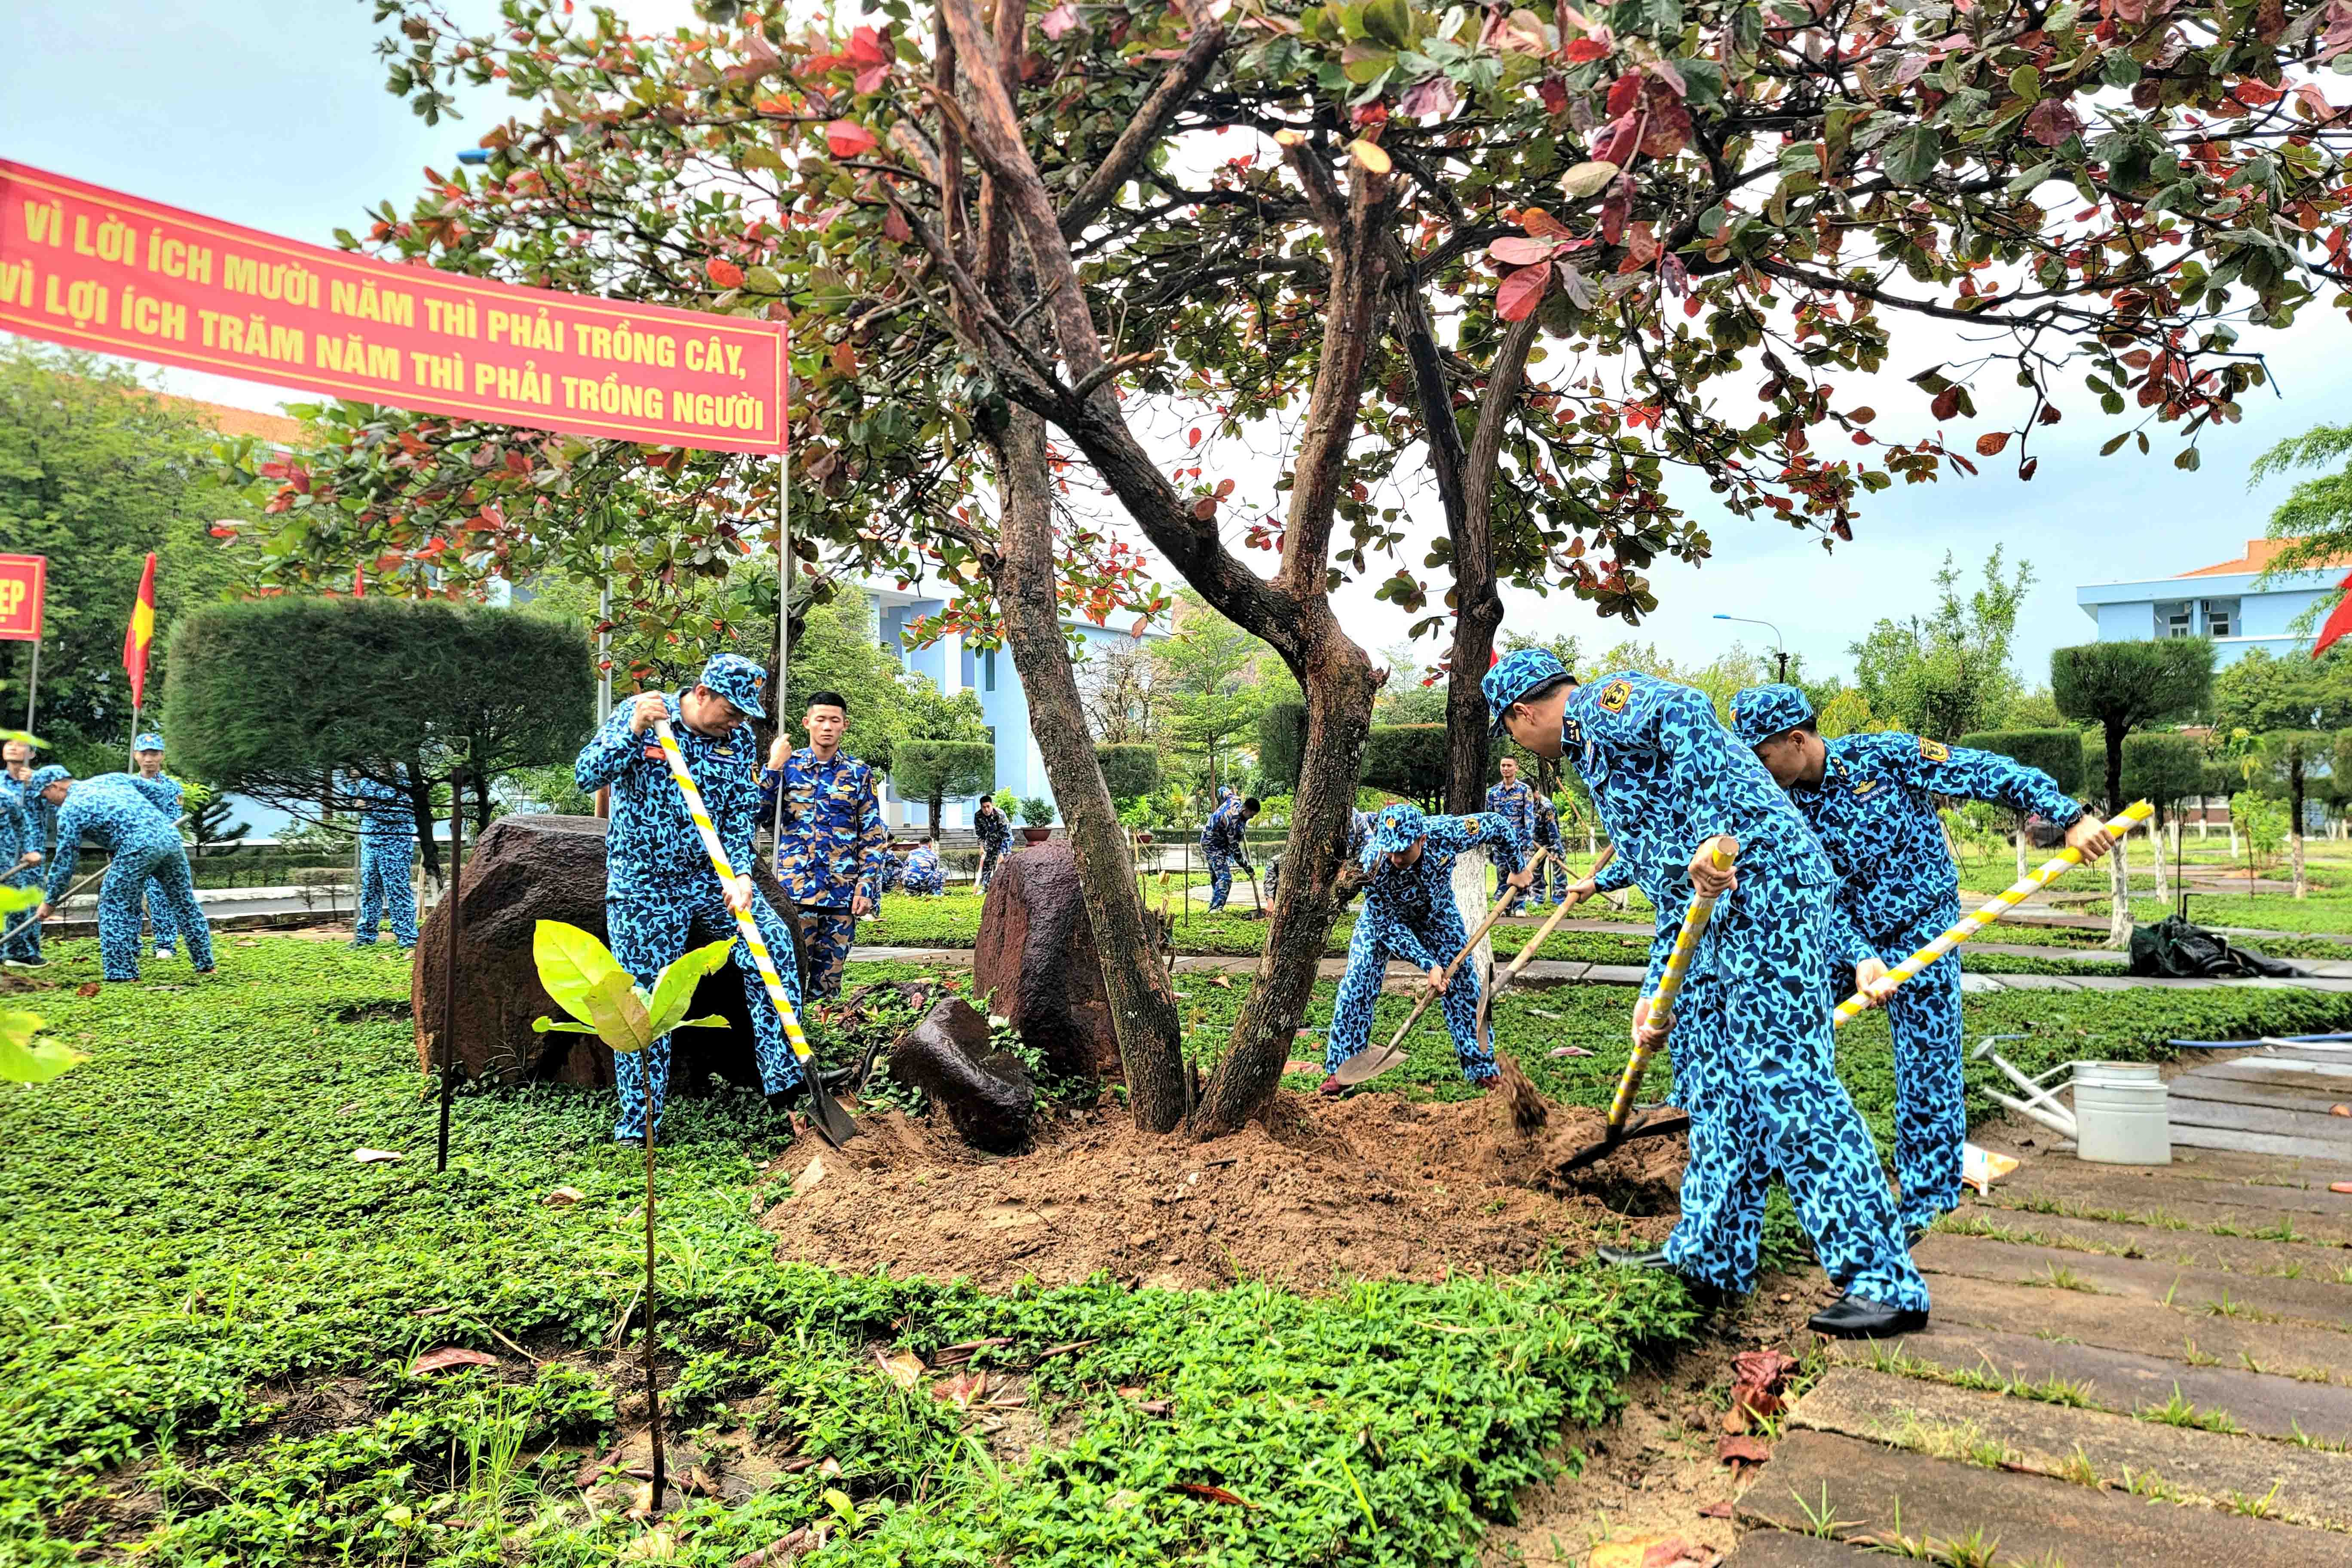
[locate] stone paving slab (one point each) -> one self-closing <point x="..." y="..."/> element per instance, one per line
<point x="2311" y="1301"/>
<point x="2297" y="1351"/>
<point x="1876" y="1493"/>
<point x="2156" y="1192"/>
<point x="2307" y="1486"/>
<point x="1784" y="1548"/>
<point x="2128" y="1381"/>
<point x="2193" y="1248"/>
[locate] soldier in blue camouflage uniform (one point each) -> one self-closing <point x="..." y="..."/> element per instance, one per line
<point x="1222" y="844"/>
<point x="1871" y="800"/>
<point x="387" y="863"/>
<point x="995" y="836"/>
<point x="142" y="846"/>
<point x="1514" y="800"/>
<point x="923" y="873"/>
<point x="165" y="791"/>
<point x="1551" y="879"/>
<point x="1751" y="1043"/>
<point x="661" y="895"/>
<point x="25" y="821"/>
<point x="833" y="851"/>
<point x="1410" y="912"/>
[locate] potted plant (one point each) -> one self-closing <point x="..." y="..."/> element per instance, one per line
<point x="1036" y="819"/>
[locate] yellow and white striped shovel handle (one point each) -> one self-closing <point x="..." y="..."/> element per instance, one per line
<point x="1662" y="1003"/>
<point x="745" y="926"/>
<point x="2033" y="881"/>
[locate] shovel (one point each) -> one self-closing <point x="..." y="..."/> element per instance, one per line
<point x="1365" y="1066"/>
<point x="1662" y="1008"/>
<point x="833" y="1124"/>
<point x="1535" y="943"/>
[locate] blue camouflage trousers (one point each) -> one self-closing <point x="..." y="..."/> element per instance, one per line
<point x="646" y="931"/>
<point x="385" y="867"/>
<point x="1221" y="878"/>
<point x="163" y="862"/>
<point x="1755" y="1067"/>
<point x="989" y="859"/>
<point x="159" y="918"/>
<point x="831" y="934"/>
<point x="1931" y="1119"/>
<point x="1359" y="992"/>
<point x="23" y="943"/>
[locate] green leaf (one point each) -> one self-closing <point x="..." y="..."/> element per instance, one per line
<point x="23" y="1059"/>
<point x="708" y="1021"/>
<point x="619" y="1013"/>
<point x="674" y="988"/>
<point x="571" y="963"/>
<point x="12" y="899"/>
<point x="551" y="1025"/>
<point x="1911" y="156"/>
<point x="1390" y="22"/>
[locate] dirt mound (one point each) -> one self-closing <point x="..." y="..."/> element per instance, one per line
<point x="1372" y="1186"/>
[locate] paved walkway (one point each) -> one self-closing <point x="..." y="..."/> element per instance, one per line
<point x="2126" y="1365"/>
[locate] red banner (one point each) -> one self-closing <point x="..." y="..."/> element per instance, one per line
<point x="24" y="585"/>
<point x="97" y="269"/>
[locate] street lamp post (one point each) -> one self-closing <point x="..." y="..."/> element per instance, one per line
<point x="1779" y="647"/>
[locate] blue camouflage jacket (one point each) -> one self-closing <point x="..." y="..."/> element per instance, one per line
<point x="1666" y="776"/>
<point x="19" y="832"/>
<point x="1222" y="834"/>
<point x="995" y="829"/>
<point x="1548" y="826"/>
<point x="1875" y="813"/>
<point x="163" y="791"/>
<point x="923" y="873"/>
<point x="652" y="847"/>
<point x="110" y="809"/>
<point x="387" y="813"/>
<point x="1410" y="908"/>
<point x="834" y="845"/>
<point x="1516" y="803"/>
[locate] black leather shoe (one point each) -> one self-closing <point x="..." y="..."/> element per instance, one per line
<point x="1914" y="1237"/>
<point x="1860" y="1317"/>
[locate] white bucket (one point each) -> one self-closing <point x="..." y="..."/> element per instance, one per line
<point x="2120" y="1115"/>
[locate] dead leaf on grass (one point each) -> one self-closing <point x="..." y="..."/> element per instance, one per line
<point x="562" y="1197"/>
<point x="1748" y="1450"/>
<point x="653" y="1546"/>
<point x="906" y="1369"/>
<point x="1717" y="1509"/>
<point x="375" y="1156"/>
<point x="1223" y="981"/>
<point x="960" y="1390"/>
<point x="810" y="1177"/>
<point x="87" y="988"/>
<point x="1647" y="1551"/>
<point x="1569" y="1051"/>
<point x="1213" y="1494"/>
<point x="778" y="1553"/>
<point x="448" y="1357"/>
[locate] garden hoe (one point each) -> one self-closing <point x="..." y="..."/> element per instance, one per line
<point x="833" y="1124"/>
<point x="1365" y="1066"/>
<point x="1662" y="1011"/>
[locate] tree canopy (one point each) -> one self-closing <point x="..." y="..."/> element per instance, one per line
<point x="2120" y="687"/>
<point x="1947" y="672"/>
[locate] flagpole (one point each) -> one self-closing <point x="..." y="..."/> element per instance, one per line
<point x="783" y="579"/>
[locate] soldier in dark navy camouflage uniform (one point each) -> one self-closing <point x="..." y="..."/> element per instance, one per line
<point x="25" y="821"/>
<point x="1750" y="1040"/>
<point x="1871" y="800"/>
<point x="923" y="873"/>
<point x="1222" y="843"/>
<point x="834" y="853"/>
<point x="995" y="836"/>
<point x="661" y="894"/>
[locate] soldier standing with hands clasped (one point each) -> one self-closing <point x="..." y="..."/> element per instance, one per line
<point x="833" y="852"/>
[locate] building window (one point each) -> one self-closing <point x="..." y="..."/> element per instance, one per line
<point x="988" y="670"/>
<point x="2220" y="618"/>
<point x="2172" y="619"/>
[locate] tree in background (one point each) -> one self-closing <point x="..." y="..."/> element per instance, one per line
<point x="1946" y="672"/>
<point x="1129" y="772"/>
<point x="2058" y="752"/>
<point x="2262" y="692"/>
<point x="2166" y="769"/>
<point x="2288" y="759"/>
<point x="416" y="694"/>
<point x="936" y="772"/>
<point x="2314" y="523"/>
<point x="1125" y="691"/>
<point x="1210" y="670"/>
<point x="96" y="470"/>
<point x="211" y="832"/>
<point x="2121" y="687"/>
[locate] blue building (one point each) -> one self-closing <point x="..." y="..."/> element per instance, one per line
<point x="2220" y="601"/>
<point x="951" y="666"/>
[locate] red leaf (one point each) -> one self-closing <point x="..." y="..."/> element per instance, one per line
<point x="848" y="139"/>
<point x="1060" y="20"/>
<point x="2025" y="470"/>
<point x="1515" y="251"/>
<point x="1947" y="403"/>
<point x="2052" y="121"/>
<point x="1623" y="94"/>
<point x="1554" y="93"/>
<point x="1522" y="292"/>
<point x="1214" y="1494"/>
<point x="871" y="79"/>
<point x="1990" y="443"/>
<point x="448" y="1357"/>
<point x="1542" y="225"/>
<point x="1193" y="439"/>
<point x="723" y="272"/>
<point x="2254" y="94"/>
<point x="1749" y="1450"/>
<point x="844" y="359"/>
<point x="895" y="227"/>
<point x="1583" y="50"/>
<point x="866" y="47"/>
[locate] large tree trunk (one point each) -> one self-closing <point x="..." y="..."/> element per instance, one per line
<point x="1142" y="1000"/>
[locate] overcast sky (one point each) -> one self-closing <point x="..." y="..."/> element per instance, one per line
<point x="272" y="113"/>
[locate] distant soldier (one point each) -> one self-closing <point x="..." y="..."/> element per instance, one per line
<point x="1222" y="842"/>
<point x="1514" y="800"/>
<point x="831" y="854"/>
<point x="1551" y="877"/>
<point x="996" y="838"/>
<point x="922" y="873"/>
<point x="165" y="791"/>
<point x="142" y="846"/>
<point x="22" y="837"/>
<point x="387" y="863"/>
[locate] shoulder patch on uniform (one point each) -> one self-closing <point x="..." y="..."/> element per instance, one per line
<point x="1616" y="694"/>
<point x="1935" y="751"/>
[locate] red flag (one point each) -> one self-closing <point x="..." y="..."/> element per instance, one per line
<point x="2340" y="619"/>
<point x="359" y="581"/>
<point x="142" y="634"/>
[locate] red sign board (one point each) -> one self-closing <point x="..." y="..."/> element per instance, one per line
<point x="23" y="581"/>
<point x="97" y="269"/>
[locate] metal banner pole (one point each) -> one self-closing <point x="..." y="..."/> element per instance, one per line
<point x="783" y="627"/>
<point x="455" y="933"/>
<point x="33" y="687"/>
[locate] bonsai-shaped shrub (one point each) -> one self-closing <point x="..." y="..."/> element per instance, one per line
<point x="1037" y="812"/>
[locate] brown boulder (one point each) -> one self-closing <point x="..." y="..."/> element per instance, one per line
<point x="1035" y="963"/>
<point x="525" y="869"/>
<point x="987" y="1094"/>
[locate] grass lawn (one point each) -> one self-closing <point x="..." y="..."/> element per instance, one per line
<point x="211" y="1309"/>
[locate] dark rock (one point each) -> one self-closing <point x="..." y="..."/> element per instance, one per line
<point x="525" y="869"/>
<point x="987" y="1094"/>
<point x="1035" y="963"/>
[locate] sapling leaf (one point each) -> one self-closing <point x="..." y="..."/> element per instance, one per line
<point x="708" y="1021"/>
<point x="674" y="988"/>
<point x="23" y="1059"/>
<point x="12" y="899"/>
<point x="619" y="1012"/>
<point x="571" y="962"/>
<point x="548" y="1026"/>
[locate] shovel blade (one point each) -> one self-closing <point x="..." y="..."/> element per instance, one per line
<point x="1657" y="1124"/>
<point x="1366" y="1066"/>
<point x="833" y="1124"/>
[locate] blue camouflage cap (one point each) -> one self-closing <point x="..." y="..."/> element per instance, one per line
<point x="148" y="741"/>
<point x="1760" y="712"/>
<point x="44" y="777"/>
<point x="739" y="680"/>
<point x="1518" y="676"/>
<point x="1395" y="828"/>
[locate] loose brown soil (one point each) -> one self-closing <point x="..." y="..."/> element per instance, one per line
<point x="1371" y="1186"/>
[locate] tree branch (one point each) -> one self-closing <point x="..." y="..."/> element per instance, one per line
<point x="1182" y="79"/>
